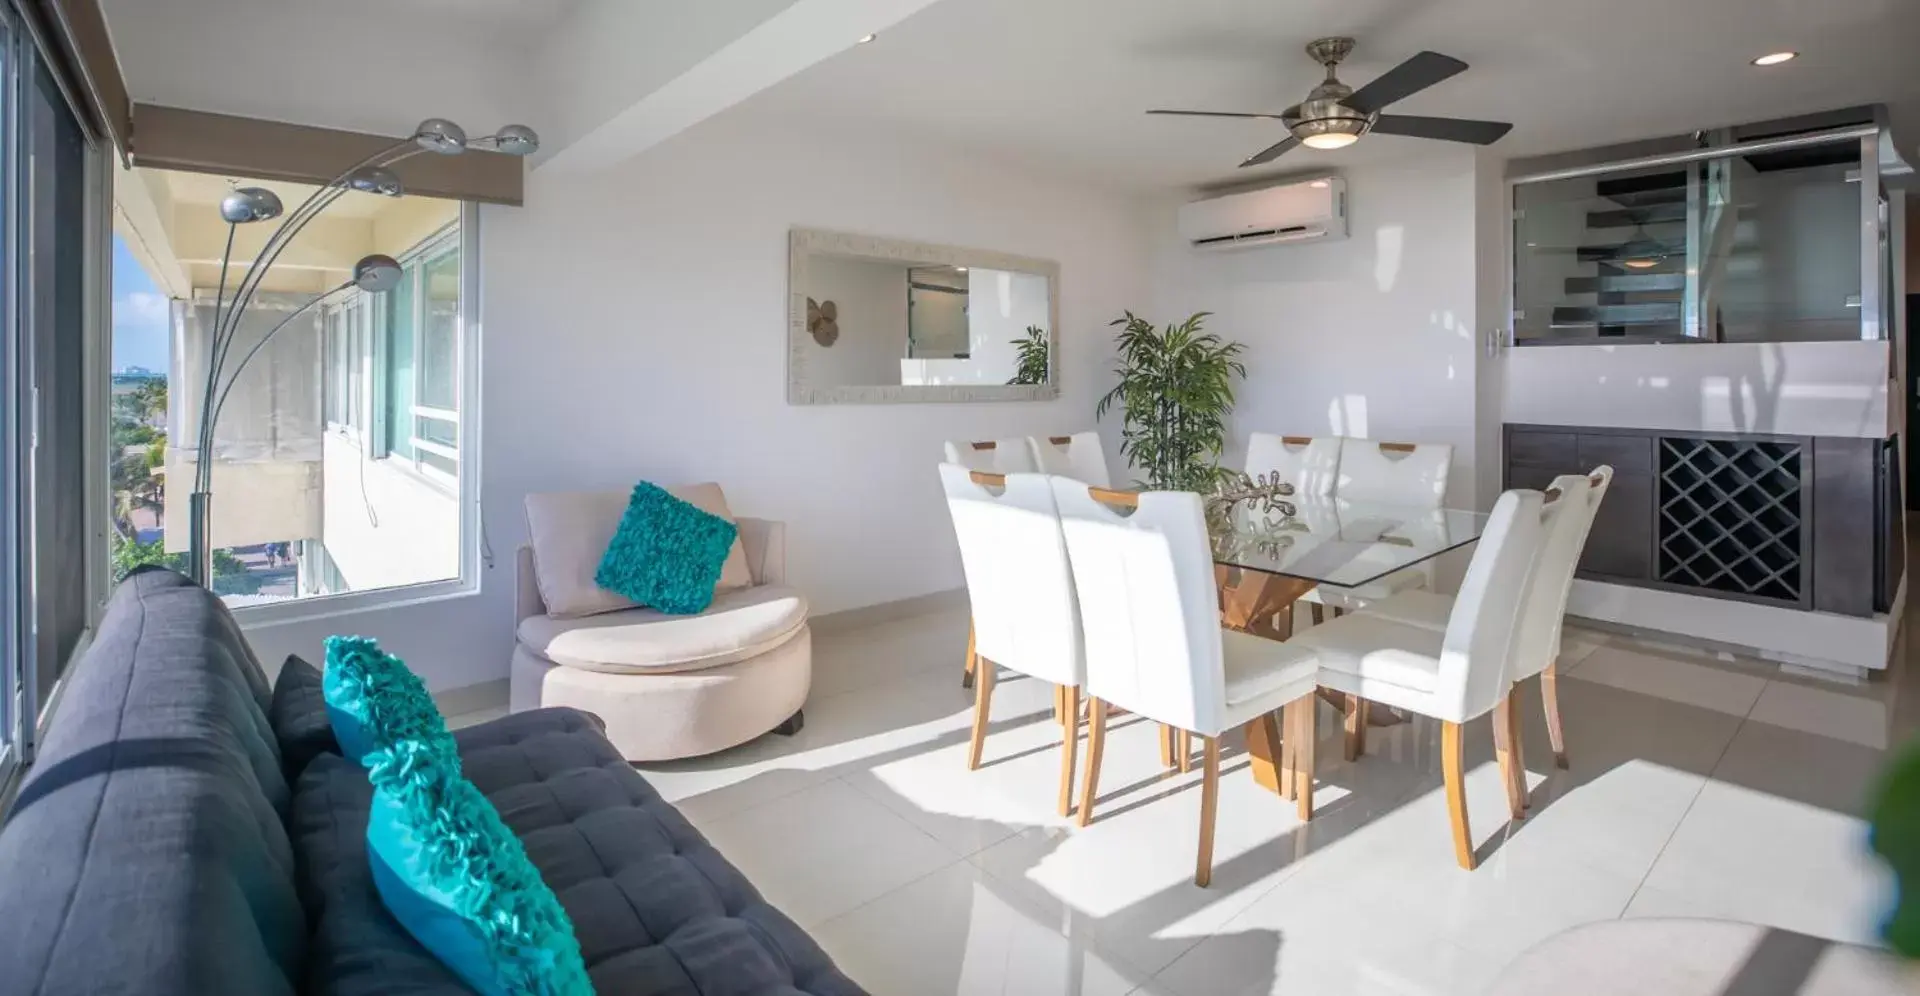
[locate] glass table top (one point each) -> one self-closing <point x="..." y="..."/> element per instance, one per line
<point x="1341" y="543"/>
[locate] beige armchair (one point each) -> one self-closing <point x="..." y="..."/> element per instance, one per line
<point x="667" y="686"/>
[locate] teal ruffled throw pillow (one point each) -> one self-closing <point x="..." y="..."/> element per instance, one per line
<point x="453" y="874"/>
<point x="667" y="553"/>
<point x="373" y="701"/>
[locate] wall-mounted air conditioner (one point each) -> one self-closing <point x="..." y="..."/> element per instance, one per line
<point x="1299" y="211"/>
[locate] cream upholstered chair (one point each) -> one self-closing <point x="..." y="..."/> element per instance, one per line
<point x="995" y="456"/>
<point x="1453" y="676"/>
<point x="1079" y="456"/>
<point x="1025" y="618"/>
<point x="667" y="686"/>
<point x="1150" y="616"/>
<point x="1537" y="647"/>
<point x="1310" y="464"/>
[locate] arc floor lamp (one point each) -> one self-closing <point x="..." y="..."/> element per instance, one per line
<point x="373" y="274"/>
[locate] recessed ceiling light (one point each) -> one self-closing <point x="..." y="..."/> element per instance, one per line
<point x="1775" y="58"/>
<point x="1318" y="184"/>
<point x="867" y="38"/>
<point x="961" y="269"/>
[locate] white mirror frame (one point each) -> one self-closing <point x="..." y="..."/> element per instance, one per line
<point x="804" y="242"/>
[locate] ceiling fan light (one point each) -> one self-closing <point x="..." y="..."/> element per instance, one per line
<point x="1330" y="140"/>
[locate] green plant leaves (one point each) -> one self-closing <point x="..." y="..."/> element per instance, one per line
<point x="1175" y="391"/>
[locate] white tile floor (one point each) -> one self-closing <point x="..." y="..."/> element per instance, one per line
<point x="1698" y="787"/>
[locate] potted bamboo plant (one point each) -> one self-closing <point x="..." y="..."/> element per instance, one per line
<point x="1175" y="391"/>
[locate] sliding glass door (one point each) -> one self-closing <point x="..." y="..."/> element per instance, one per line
<point x="50" y="174"/>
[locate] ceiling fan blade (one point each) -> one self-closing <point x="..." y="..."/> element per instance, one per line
<point x="1405" y="80"/>
<point x="1444" y="129"/>
<point x="1270" y="153"/>
<point x="1218" y="114"/>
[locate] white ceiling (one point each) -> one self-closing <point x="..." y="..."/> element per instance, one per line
<point x="1062" y="84"/>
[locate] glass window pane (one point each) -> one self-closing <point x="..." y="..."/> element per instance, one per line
<point x="439" y="347"/>
<point x="306" y="501"/>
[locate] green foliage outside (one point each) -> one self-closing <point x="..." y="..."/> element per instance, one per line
<point x="1175" y="392"/>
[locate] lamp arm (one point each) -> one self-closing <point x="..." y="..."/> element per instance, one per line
<point x="300" y="216"/>
<point x="238" y="368"/>
<point x="201" y="472"/>
<point x="257" y="271"/>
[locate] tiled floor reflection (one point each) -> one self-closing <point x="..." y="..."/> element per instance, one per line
<point x="1698" y="787"/>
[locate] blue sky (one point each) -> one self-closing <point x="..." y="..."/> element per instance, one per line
<point x="139" y="314"/>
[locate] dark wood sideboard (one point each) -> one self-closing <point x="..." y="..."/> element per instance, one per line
<point x="1802" y="522"/>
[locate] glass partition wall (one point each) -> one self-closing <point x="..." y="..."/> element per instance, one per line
<point x="1769" y="241"/>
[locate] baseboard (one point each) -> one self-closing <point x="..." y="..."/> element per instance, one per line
<point x="872" y="615"/>
<point x="472" y="698"/>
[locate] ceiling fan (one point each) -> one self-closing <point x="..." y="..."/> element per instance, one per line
<point x="1335" y="115"/>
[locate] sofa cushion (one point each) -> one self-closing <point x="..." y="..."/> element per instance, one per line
<point x="657" y="910"/>
<point x="374" y="700"/>
<point x="146" y="852"/>
<point x="666" y="553"/>
<point x="299" y="717"/>
<point x="738" y="625"/>
<point x="460" y="881"/>
<point x="570" y="531"/>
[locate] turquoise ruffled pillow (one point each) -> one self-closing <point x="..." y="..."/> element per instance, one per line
<point x="453" y="874"/>
<point x="667" y="553"/>
<point x="373" y="701"/>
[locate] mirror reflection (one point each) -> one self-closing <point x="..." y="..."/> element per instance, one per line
<point x="918" y="323"/>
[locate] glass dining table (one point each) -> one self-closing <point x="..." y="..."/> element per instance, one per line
<point x="1265" y="560"/>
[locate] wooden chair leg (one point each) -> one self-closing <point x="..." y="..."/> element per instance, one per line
<point x="1267" y="751"/>
<point x="982" y="697"/>
<point x="1451" y="763"/>
<point x="1356" y="723"/>
<point x="1318" y="611"/>
<point x="1185" y="750"/>
<point x="1209" y="807"/>
<point x="1506" y="750"/>
<point x="1096" y="747"/>
<point x="1289" y="748"/>
<point x="1069" y="745"/>
<point x="1060" y="705"/>
<point x="1550" y="697"/>
<point x="973" y="660"/>
<point x="1166" y="746"/>
<point x="1308" y="709"/>
<point x="1338" y="612"/>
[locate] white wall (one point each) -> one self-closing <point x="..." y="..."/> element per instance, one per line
<point x="1790" y="388"/>
<point x="871" y="300"/>
<point x="635" y="327"/>
<point x="1368" y="336"/>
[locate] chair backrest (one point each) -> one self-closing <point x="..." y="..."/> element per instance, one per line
<point x="998" y="456"/>
<point x="1149" y="607"/>
<point x="1025" y="616"/>
<point x="1393" y="473"/>
<point x="1569" y="520"/>
<point x="1474" y="653"/>
<point x="1078" y="456"/>
<point x="1310" y="464"/>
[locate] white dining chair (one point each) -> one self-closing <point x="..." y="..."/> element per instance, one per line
<point x="995" y="456"/>
<point x="1453" y="676"/>
<point x="1025" y="616"/>
<point x="1150" y="615"/>
<point x="1537" y="648"/>
<point x="1310" y="463"/>
<point x="1079" y="456"/>
<point x="1413" y="474"/>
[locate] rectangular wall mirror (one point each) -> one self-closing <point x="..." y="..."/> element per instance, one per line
<point x="873" y="320"/>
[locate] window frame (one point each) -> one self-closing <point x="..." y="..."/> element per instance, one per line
<point x="469" y="328"/>
<point x="414" y="262"/>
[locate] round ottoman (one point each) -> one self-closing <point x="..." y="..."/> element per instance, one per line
<point x="673" y="686"/>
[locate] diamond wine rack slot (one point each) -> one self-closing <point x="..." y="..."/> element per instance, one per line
<point x="1732" y="517"/>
